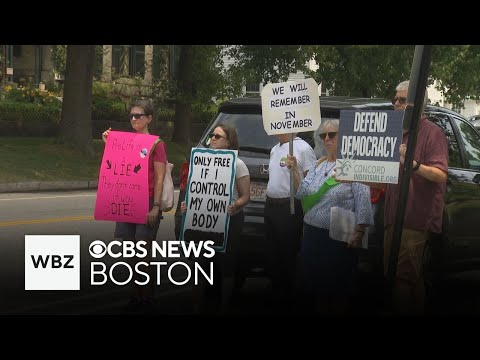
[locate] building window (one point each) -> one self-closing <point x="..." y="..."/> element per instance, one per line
<point x="17" y="50"/>
<point x="129" y="60"/>
<point x="252" y="88"/>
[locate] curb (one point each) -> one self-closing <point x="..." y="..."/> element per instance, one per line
<point x="47" y="186"/>
<point x="35" y="186"/>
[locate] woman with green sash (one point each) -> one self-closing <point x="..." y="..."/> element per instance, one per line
<point x="326" y="268"/>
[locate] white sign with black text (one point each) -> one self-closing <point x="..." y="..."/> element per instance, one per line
<point x="209" y="193"/>
<point x="291" y="107"/>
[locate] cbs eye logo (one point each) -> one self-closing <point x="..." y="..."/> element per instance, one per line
<point x="97" y="249"/>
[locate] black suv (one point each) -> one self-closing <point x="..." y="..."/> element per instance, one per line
<point x="459" y="245"/>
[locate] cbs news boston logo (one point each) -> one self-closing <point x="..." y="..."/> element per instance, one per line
<point x="52" y="262"/>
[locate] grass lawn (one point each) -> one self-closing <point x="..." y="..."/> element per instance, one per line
<point x="41" y="159"/>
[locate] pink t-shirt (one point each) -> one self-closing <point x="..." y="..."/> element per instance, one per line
<point x="159" y="155"/>
<point x="425" y="202"/>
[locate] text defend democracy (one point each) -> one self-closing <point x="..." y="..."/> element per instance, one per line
<point x="368" y="146"/>
<point x="295" y="100"/>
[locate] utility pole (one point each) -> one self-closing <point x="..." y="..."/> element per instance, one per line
<point x="413" y="112"/>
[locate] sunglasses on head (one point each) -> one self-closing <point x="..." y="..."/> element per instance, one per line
<point x="401" y="100"/>
<point x="330" y="134"/>
<point x="216" y="136"/>
<point x="136" y="116"/>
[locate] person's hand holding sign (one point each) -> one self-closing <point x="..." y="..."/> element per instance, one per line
<point x="105" y="134"/>
<point x="231" y="208"/>
<point x="153" y="215"/>
<point x="291" y="162"/>
<point x="403" y="150"/>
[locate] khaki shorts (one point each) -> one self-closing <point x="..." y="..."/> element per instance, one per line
<point x="410" y="256"/>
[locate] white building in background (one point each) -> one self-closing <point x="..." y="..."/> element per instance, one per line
<point x="470" y="107"/>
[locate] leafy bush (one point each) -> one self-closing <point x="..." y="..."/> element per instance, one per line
<point x="102" y="90"/>
<point x="31" y="95"/>
<point x="200" y="115"/>
<point x="106" y="105"/>
<point x="108" y="109"/>
<point x="27" y="112"/>
<point x="163" y="114"/>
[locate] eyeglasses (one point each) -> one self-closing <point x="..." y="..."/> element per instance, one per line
<point x="401" y="100"/>
<point x="216" y="136"/>
<point x="331" y="135"/>
<point x="136" y="116"/>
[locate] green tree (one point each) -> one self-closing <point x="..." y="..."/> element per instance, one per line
<point x="59" y="58"/>
<point x="375" y="70"/>
<point x="200" y="78"/>
<point x="183" y="101"/>
<point x="1" y="67"/>
<point x="457" y="69"/>
<point x="361" y="70"/>
<point x="267" y="63"/>
<point x="76" y="119"/>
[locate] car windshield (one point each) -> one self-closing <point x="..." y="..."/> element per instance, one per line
<point x="251" y="134"/>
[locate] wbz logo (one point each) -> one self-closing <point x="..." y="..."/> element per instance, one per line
<point x="55" y="260"/>
<point x="52" y="262"/>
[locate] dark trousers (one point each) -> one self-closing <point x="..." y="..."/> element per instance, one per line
<point x="284" y="233"/>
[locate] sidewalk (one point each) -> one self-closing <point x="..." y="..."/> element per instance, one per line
<point x="33" y="186"/>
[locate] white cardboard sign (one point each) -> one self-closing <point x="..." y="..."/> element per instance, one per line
<point x="291" y="107"/>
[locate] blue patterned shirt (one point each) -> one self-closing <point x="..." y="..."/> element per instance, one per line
<point x="352" y="196"/>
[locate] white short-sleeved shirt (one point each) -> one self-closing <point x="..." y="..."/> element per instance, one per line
<point x="278" y="173"/>
<point x="241" y="170"/>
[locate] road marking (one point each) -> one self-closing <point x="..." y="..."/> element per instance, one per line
<point x="54" y="220"/>
<point x="45" y="221"/>
<point x="54" y="197"/>
<point x="48" y="197"/>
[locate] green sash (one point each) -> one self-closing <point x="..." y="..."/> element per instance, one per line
<point x="309" y="201"/>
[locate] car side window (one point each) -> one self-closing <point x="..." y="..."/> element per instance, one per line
<point x="443" y="121"/>
<point x="471" y="141"/>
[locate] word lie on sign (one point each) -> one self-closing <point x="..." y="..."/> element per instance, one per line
<point x="122" y="193"/>
<point x="291" y="107"/>
<point x="209" y="193"/>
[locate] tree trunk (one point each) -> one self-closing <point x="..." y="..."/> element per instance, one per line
<point x="76" y="121"/>
<point x="183" y="103"/>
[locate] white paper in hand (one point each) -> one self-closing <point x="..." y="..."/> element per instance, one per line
<point x="342" y="225"/>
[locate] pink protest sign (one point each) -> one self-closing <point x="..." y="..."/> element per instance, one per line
<point x="122" y="193"/>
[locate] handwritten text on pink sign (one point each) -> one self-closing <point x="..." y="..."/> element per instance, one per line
<point x="123" y="180"/>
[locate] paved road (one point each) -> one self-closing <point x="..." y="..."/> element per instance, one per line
<point x="54" y="213"/>
<point x="65" y="213"/>
<point x="62" y="213"/>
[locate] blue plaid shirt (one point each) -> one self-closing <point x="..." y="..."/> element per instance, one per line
<point x="352" y="196"/>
